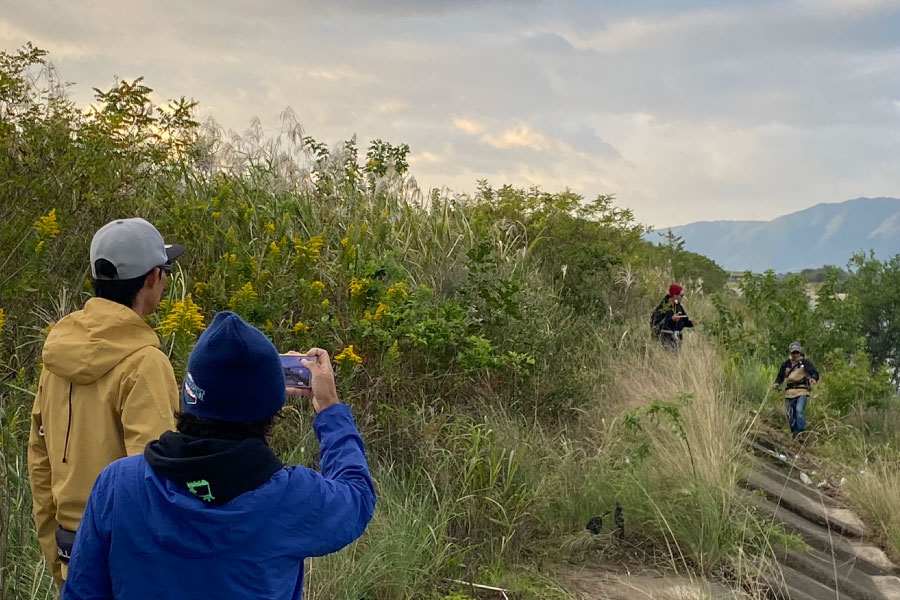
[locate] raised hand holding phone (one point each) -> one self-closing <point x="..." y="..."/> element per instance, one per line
<point x="296" y="374"/>
<point x="322" y="388"/>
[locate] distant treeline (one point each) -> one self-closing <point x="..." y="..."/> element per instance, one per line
<point x="818" y="275"/>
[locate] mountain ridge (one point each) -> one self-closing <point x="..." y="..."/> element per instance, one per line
<point x="826" y="233"/>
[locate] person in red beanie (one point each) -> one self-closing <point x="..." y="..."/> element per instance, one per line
<point x="670" y="318"/>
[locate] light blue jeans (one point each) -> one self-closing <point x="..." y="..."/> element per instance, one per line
<point x="796" y="413"/>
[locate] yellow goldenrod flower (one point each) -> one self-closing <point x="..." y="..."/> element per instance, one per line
<point x="248" y="292"/>
<point x="201" y="288"/>
<point x="47" y="226"/>
<point x="2" y="320"/>
<point x="326" y="303"/>
<point x="316" y="243"/>
<point x="348" y="356"/>
<point x="270" y="227"/>
<point x="39" y="248"/>
<point x="378" y="314"/>
<point x="245" y="294"/>
<point x="300" y="327"/>
<point x="358" y="287"/>
<point x="184" y="317"/>
<point x="216" y="215"/>
<point x="270" y="327"/>
<point x="311" y="249"/>
<point x="350" y="250"/>
<point x="317" y="287"/>
<point x="398" y="291"/>
<point x="273" y="248"/>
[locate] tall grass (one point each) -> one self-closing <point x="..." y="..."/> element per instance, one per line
<point x="876" y="490"/>
<point x="694" y="437"/>
<point x="23" y="573"/>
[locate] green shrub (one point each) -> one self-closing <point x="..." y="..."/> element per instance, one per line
<point x="851" y="383"/>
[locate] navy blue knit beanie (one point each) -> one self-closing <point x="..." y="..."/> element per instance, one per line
<point x="234" y="373"/>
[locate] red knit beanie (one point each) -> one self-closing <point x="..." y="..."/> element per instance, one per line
<point x="675" y="289"/>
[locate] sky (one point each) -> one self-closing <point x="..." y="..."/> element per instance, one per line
<point x="685" y="111"/>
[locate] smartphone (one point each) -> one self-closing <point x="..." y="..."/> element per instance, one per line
<point x="295" y="374"/>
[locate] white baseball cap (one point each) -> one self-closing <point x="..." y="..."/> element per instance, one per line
<point x="133" y="246"/>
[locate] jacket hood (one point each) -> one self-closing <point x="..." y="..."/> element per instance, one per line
<point x="216" y="471"/>
<point x="87" y="344"/>
<point x="204" y="529"/>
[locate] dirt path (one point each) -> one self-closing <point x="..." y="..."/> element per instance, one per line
<point x="586" y="583"/>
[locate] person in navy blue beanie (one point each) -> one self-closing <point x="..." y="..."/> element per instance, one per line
<point x="234" y="374"/>
<point x="210" y="511"/>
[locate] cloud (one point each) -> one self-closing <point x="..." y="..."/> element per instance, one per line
<point x="425" y="158"/>
<point x="403" y="8"/>
<point x="332" y="74"/>
<point x="521" y="136"/>
<point x="469" y="126"/>
<point x="686" y="111"/>
<point x="11" y="35"/>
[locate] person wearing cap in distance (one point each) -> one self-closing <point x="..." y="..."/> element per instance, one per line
<point x="798" y="376"/>
<point x="209" y="511"/>
<point x="670" y="318"/>
<point x="106" y="388"/>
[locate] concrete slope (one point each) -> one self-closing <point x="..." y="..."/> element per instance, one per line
<point x="842" y="562"/>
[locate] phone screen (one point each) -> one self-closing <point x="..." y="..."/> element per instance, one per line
<point x="295" y="374"/>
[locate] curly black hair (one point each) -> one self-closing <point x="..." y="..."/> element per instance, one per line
<point x="223" y="430"/>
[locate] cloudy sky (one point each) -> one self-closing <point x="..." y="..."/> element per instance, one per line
<point x="691" y="110"/>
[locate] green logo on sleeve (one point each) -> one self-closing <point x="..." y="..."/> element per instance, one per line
<point x="200" y="488"/>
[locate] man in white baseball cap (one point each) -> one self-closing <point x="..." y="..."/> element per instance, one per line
<point x="106" y="388"/>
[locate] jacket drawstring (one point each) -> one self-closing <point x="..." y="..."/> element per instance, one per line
<point x="69" y="426"/>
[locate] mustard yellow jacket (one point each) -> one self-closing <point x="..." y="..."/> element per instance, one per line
<point x="106" y="390"/>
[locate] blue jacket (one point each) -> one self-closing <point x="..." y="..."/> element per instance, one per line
<point x="143" y="536"/>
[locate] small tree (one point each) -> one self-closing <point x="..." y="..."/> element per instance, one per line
<point x="875" y="286"/>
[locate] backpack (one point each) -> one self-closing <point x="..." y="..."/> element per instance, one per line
<point x="657" y="318"/>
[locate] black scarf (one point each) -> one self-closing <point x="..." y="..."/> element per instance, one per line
<point x="216" y="471"/>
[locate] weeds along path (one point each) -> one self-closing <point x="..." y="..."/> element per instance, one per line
<point x="841" y="560"/>
<point x="715" y="488"/>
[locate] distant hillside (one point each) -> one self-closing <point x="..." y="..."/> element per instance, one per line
<point x="821" y="235"/>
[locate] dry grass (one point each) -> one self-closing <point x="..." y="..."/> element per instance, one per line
<point x="686" y="435"/>
<point x="876" y="490"/>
